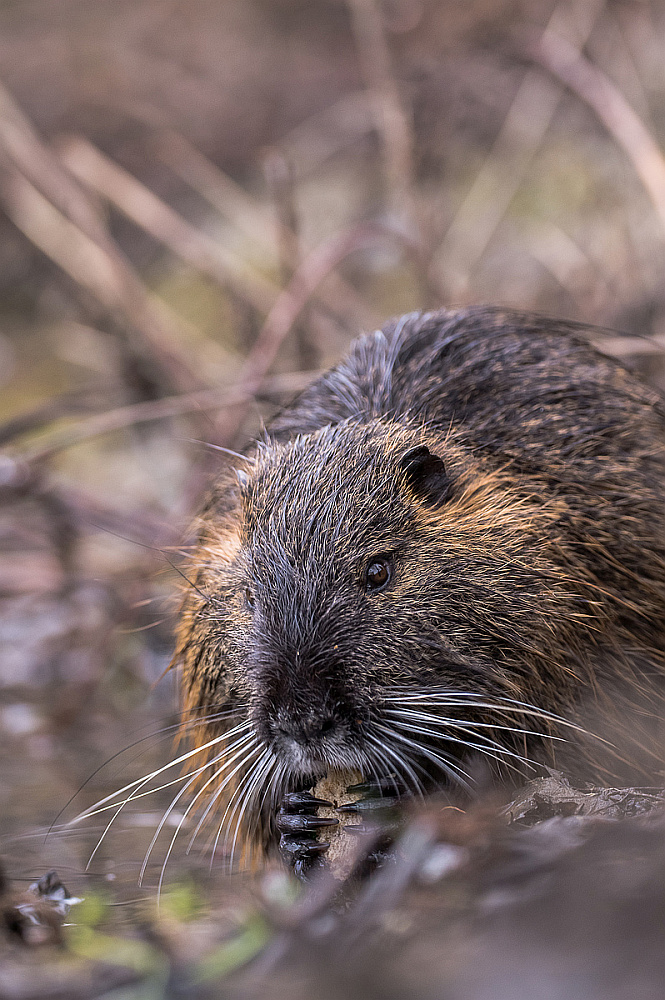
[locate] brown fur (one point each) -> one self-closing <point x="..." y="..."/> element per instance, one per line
<point x="527" y="548"/>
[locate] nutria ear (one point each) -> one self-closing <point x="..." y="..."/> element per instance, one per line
<point x="426" y="474"/>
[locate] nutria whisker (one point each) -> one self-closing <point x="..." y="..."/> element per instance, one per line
<point x="446" y="764"/>
<point x="111" y="801"/>
<point x="468" y="725"/>
<point x="242" y="748"/>
<point x="248" y="781"/>
<point x="246" y="756"/>
<point x="253" y="786"/>
<point x="464" y="699"/>
<point x="402" y="766"/>
<point x="102" y="805"/>
<point x="377" y="764"/>
<point x="492" y="750"/>
<point x="241" y="796"/>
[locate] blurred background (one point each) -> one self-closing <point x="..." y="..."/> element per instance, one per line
<point x="202" y="203"/>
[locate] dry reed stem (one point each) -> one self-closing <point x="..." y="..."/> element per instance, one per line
<point x="251" y="217"/>
<point x="498" y="180"/>
<point x="90" y="266"/>
<point x="288" y="307"/>
<point x="325" y="134"/>
<point x="583" y="279"/>
<point x="391" y="119"/>
<point x="590" y="84"/>
<point x="36" y="190"/>
<point x="158" y="219"/>
<point x="279" y="175"/>
<point x="245" y="213"/>
<point x="123" y="417"/>
<point x="394" y="126"/>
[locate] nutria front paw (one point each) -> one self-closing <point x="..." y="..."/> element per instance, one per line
<point x="298" y="825"/>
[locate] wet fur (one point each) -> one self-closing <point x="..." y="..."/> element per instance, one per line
<point x="536" y="576"/>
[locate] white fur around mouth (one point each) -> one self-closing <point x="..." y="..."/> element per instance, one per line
<point x="303" y="761"/>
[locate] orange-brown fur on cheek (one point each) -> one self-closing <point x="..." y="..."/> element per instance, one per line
<point x="206" y="681"/>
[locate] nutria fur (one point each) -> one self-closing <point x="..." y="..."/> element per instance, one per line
<point x="463" y="519"/>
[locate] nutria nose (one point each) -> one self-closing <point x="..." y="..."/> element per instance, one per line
<point x="308" y="729"/>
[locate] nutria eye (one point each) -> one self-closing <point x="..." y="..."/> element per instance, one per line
<point x="249" y="597"/>
<point x="378" y="574"/>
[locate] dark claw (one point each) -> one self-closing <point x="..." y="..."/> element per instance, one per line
<point x="359" y="829"/>
<point x="369" y="805"/>
<point x="375" y="789"/>
<point x="292" y="848"/>
<point x="302" y="801"/>
<point x="298" y="823"/>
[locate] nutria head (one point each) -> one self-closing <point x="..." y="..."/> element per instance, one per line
<point x="441" y="550"/>
<point x="364" y="595"/>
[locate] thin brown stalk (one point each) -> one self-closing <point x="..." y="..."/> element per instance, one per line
<point x="250" y="217"/>
<point x="280" y="181"/>
<point x="149" y="212"/>
<point x="391" y="119"/>
<point x="90" y="266"/>
<point x="286" y="310"/>
<point x="35" y="189"/>
<point x="394" y="126"/>
<point x="151" y="410"/>
<point x="503" y="172"/>
<point x="593" y="87"/>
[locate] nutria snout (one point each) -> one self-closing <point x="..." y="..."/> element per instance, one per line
<point x="449" y="546"/>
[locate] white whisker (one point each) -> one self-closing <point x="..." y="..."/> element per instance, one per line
<point x="242" y="791"/>
<point x="469" y="725"/>
<point x="404" y="767"/>
<point x="109" y="801"/>
<point x="240" y="747"/>
<point x="491" y="748"/>
<point x="453" y="771"/>
<point x="218" y="792"/>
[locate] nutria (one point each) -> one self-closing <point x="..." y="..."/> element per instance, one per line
<point x="450" y="546"/>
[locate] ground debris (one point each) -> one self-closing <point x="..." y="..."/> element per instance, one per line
<point x="543" y="798"/>
<point x="35" y="916"/>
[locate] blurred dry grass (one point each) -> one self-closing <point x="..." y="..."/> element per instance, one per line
<point x="201" y="201"/>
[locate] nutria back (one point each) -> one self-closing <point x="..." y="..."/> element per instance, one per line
<point x="450" y="547"/>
